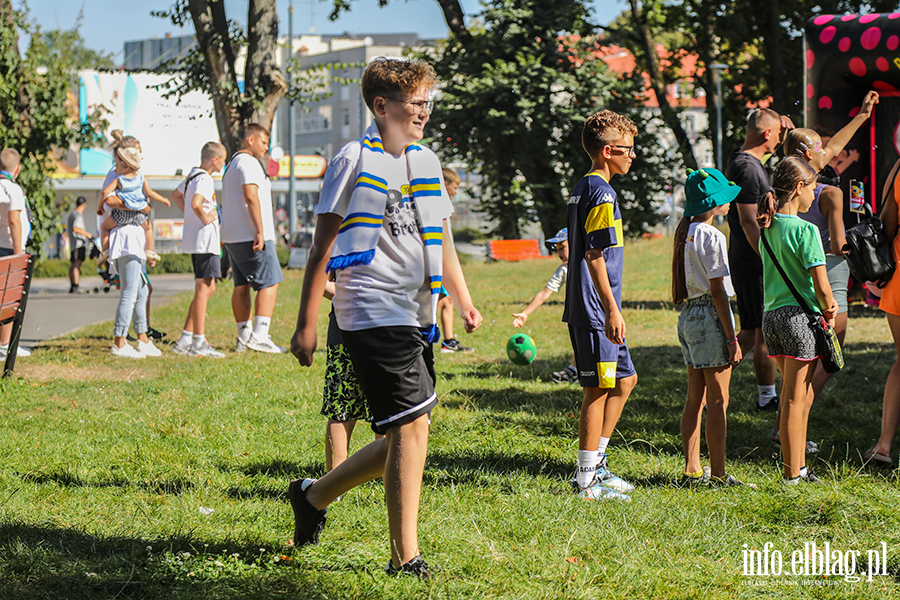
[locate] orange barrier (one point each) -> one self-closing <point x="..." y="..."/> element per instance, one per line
<point x="514" y="250"/>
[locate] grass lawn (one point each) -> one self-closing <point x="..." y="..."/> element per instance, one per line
<point x="167" y="478"/>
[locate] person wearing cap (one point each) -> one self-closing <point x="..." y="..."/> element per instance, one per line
<point x="702" y="283"/>
<point x="127" y="244"/>
<point x="559" y="243"/>
<point x="75" y="229"/>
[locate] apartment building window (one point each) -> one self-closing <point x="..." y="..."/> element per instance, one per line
<point x="316" y="120"/>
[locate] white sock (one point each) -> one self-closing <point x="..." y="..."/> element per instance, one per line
<point x="261" y="327"/>
<point x="185" y="338"/>
<point x="587" y="466"/>
<point x="601" y="449"/>
<point x="766" y="393"/>
<point x="197" y="341"/>
<point x="244" y="331"/>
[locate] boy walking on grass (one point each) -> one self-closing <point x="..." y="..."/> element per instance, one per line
<point x="382" y="216"/>
<point x="196" y="195"/>
<point x="594" y="302"/>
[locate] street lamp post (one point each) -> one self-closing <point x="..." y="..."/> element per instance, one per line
<point x="717" y="76"/>
<point x="292" y="197"/>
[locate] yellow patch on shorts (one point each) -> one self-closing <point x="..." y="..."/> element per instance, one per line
<point x="606" y="374"/>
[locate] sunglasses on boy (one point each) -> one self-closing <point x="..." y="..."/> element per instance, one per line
<point x="629" y="150"/>
<point x="428" y="105"/>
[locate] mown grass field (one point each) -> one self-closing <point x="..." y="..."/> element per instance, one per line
<point x="167" y="478"/>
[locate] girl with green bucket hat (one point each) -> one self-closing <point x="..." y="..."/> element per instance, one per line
<point x="701" y="281"/>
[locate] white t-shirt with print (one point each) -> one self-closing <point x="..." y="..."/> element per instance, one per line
<point x="197" y="237"/>
<point x="705" y="258"/>
<point x="243" y="170"/>
<point x="558" y="279"/>
<point x="394" y="289"/>
<point x="12" y="198"/>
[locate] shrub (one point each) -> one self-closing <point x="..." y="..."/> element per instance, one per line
<point x="469" y="235"/>
<point x="284" y="255"/>
<point x="172" y="263"/>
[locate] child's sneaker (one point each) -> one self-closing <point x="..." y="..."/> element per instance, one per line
<point x="126" y="351"/>
<point x="452" y="345"/>
<point x="148" y="349"/>
<point x="20" y="351"/>
<point x="727" y="481"/>
<point x="694" y="481"/>
<point x="416" y="567"/>
<point x="610" y="480"/>
<point x="567" y="375"/>
<point x="179" y="348"/>
<point x="155" y="334"/>
<point x="240" y="346"/>
<point x="207" y="351"/>
<point x="596" y="491"/>
<point x="263" y="345"/>
<point x="308" y="520"/>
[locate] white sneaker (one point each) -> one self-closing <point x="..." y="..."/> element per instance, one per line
<point x="264" y="345"/>
<point x="20" y="352"/>
<point x="126" y="351"/>
<point x="180" y="348"/>
<point x="207" y="351"/>
<point x="148" y="349"/>
<point x="240" y="346"/>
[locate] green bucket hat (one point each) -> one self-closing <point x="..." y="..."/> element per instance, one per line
<point x="706" y="189"/>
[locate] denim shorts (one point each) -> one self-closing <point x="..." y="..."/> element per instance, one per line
<point x="701" y="335"/>
<point x="257" y="269"/>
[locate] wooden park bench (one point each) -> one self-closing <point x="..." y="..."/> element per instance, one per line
<point x="514" y="250"/>
<point x="15" y="284"/>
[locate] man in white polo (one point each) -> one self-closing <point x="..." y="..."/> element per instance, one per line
<point x="248" y="232"/>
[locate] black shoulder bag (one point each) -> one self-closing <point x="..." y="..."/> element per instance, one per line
<point x="827" y="344"/>
<point x="868" y="250"/>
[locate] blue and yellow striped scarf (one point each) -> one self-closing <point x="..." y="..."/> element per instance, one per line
<point x="359" y="232"/>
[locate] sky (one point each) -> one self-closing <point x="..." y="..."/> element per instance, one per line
<point x="108" y="24"/>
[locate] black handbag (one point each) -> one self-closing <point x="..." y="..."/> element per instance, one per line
<point x="827" y="345"/>
<point x="868" y="251"/>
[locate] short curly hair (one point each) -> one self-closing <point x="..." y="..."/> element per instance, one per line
<point x="388" y="76"/>
<point x="603" y="128"/>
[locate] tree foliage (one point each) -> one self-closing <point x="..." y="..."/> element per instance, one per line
<point x="34" y="117"/>
<point x="513" y="103"/>
<point x="213" y="66"/>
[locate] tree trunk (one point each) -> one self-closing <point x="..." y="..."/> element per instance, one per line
<point x="264" y="85"/>
<point x="776" y="75"/>
<point x="658" y="85"/>
<point x="209" y="18"/>
<point x="455" y="19"/>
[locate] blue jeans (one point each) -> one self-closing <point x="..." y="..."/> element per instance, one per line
<point x="132" y="307"/>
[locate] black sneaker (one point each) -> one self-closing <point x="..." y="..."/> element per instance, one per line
<point x="769" y="406"/>
<point x="308" y="520"/>
<point x="416" y="567"/>
<point x="452" y="345"/>
<point x="567" y="375"/>
<point x="810" y="477"/>
<point x="74" y="289"/>
<point x="689" y="482"/>
<point x="728" y="481"/>
<point x="155" y="334"/>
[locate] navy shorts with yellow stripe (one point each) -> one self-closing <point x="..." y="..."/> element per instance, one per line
<point x="600" y="362"/>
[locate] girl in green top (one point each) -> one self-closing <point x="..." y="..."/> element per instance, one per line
<point x="797" y="247"/>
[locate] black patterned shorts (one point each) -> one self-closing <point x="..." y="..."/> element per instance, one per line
<point x="342" y="399"/>
<point x="787" y="333"/>
<point x="127" y="217"/>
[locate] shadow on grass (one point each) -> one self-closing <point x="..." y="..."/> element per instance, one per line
<point x="65" y="479"/>
<point x="453" y="468"/>
<point x="44" y="561"/>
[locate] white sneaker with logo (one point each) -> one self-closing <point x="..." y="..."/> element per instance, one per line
<point x="207" y="351"/>
<point x="264" y="345"/>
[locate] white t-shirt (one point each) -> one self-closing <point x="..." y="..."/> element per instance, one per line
<point x="127" y="240"/>
<point x="558" y="279"/>
<point x="197" y="237"/>
<point x="243" y="170"/>
<point x="705" y="258"/>
<point x="12" y="198"/>
<point x="394" y="289"/>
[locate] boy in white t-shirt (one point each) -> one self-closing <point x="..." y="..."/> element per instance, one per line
<point x="200" y="238"/>
<point x="383" y="221"/>
<point x="14" y="225"/>
<point x="248" y="232"/>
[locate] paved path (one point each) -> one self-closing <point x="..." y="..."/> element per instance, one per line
<point x="53" y="311"/>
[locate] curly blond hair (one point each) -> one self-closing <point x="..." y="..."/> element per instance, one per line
<point x="393" y="77"/>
